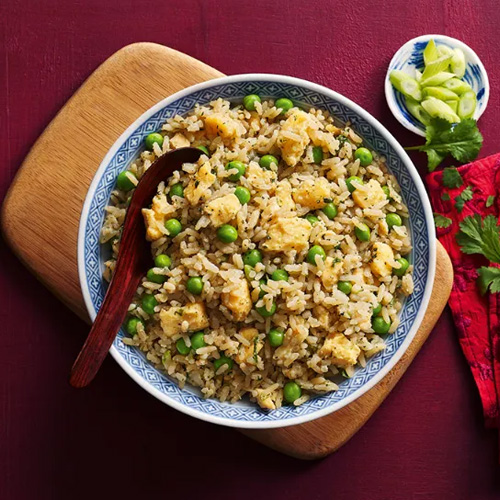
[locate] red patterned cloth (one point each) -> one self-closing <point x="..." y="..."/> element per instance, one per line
<point x="476" y="317"/>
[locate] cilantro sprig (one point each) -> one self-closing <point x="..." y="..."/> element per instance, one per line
<point x="489" y="278"/>
<point x="482" y="236"/>
<point x="463" y="141"/>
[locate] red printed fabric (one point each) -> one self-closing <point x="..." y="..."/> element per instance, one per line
<point x="476" y="317"/>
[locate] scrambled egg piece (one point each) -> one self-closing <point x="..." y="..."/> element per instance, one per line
<point x="340" y="350"/>
<point x="284" y="195"/>
<point x="260" y="178"/>
<point x="179" y="141"/>
<point x="197" y="187"/>
<point x="369" y="194"/>
<point x="171" y="319"/>
<point x="222" y="125"/>
<point x="382" y="259"/>
<point x="248" y="353"/>
<point x="293" y="137"/>
<point x="223" y="209"/>
<point x="288" y="234"/>
<point x="322" y="314"/>
<point x="312" y="193"/>
<point x="238" y="300"/>
<point x="154" y="217"/>
<point x="264" y="399"/>
<point x="331" y="273"/>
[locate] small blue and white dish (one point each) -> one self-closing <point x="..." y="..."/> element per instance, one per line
<point x="245" y="414"/>
<point x="410" y="57"/>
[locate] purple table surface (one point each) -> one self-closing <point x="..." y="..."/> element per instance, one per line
<point x="113" y="440"/>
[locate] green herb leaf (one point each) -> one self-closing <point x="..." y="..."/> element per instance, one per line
<point x="445" y="197"/>
<point x="490" y="201"/>
<point x="465" y="195"/>
<point x="489" y="277"/>
<point x="452" y="178"/>
<point x="441" y="220"/>
<point x="459" y="203"/>
<point x="480" y="236"/>
<point x="462" y="141"/>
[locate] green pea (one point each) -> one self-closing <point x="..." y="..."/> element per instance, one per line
<point x="279" y="275"/>
<point x="345" y="287"/>
<point x="377" y="310"/>
<point x="353" y="178"/>
<point x="131" y="325"/>
<point x="182" y="348"/>
<point x="155" y="278"/>
<point x="227" y="233"/>
<point x="152" y="138"/>
<point x="149" y="303"/>
<point x="312" y="219"/>
<point x="239" y="166"/>
<point x="123" y="182"/>
<point x="285" y="104"/>
<point x="264" y="312"/>
<point x="393" y="220"/>
<point x="364" y="156"/>
<point x="275" y="337"/>
<point x="387" y="192"/>
<point x="243" y="194"/>
<point x="198" y="340"/>
<point x="317" y="154"/>
<point x="252" y="257"/>
<point x="223" y="360"/>
<point x="163" y="260"/>
<point x="291" y="392"/>
<point x="174" y="227"/>
<point x="380" y="326"/>
<point x="330" y="210"/>
<point x="250" y="100"/>
<point x="404" y="267"/>
<point x="194" y="285"/>
<point x="362" y="232"/>
<point x="313" y="251"/>
<point x="267" y="160"/>
<point x="204" y="149"/>
<point x="177" y="190"/>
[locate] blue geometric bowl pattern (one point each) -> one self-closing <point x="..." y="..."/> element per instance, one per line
<point x="245" y="414"/>
<point x="410" y="57"/>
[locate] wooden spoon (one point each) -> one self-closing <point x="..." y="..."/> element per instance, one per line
<point x="134" y="258"/>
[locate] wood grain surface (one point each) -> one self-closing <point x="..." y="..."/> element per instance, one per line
<point x="115" y="95"/>
<point x="54" y="188"/>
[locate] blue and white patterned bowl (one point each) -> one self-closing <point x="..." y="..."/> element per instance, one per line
<point x="410" y="57"/>
<point x="234" y="88"/>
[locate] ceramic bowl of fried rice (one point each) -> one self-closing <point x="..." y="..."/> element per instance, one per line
<point x="291" y="266"/>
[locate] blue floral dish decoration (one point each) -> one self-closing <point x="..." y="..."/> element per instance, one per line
<point x="127" y="147"/>
<point x="410" y="57"/>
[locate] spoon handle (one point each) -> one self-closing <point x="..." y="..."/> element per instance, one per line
<point x="111" y="316"/>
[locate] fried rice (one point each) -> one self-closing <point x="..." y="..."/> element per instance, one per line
<point x="276" y="341"/>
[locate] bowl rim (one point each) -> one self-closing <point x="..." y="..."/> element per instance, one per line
<point x="390" y="91"/>
<point x="399" y="151"/>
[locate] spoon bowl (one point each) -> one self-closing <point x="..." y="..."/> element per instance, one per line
<point x="134" y="258"/>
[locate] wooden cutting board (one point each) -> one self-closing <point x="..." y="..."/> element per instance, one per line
<point x="53" y="182"/>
